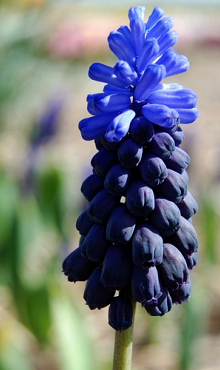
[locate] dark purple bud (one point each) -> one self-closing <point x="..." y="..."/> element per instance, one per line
<point x="95" y="244"/>
<point x="117" y="180"/>
<point x="84" y="223"/>
<point x="76" y="267"/>
<point x="163" y="305"/>
<point x="178" y="161"/>
<point x="130" y="153"/>
<point x="141" y="130"/>
<point x="182" y="293"/>
<point x="165" y="217"/>
<point x="140" y="199"/>
<point x="95" y="294"/>
<point x="147" y="246"/>
<point x="162" y="145"/>
<point x="192" y="260"/>
<point x="116" y="269"/>
<point x="103" y="161"/>
<point x="173" y="271"/>
<point x="185" y="239"/>
<point x="188" y="206"/>
<point x="91" y="186"/>
<point x="113" y="145"/>
<point x="145" y="284"/>
<point x="120" y="313"/>
<point x="98" y="144"/>
<point x="101" y="206"/>
<point x="174" y="187"/>
<point x="121" y="225"/>
<point x="178" y="136"/>
<point x="152" y="169"/>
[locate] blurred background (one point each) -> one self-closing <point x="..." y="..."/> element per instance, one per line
<point x="46" y="48"/>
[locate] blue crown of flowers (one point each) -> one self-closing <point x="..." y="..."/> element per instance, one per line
<point x="137" y="236"/>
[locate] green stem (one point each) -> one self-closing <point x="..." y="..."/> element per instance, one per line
<point x="123" y="347"/>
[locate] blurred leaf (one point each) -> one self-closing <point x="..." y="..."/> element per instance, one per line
<point x="71" y="336"/>
<point x="14" y="358"/>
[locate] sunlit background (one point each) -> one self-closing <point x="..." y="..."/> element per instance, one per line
<point x="46" y="48"/>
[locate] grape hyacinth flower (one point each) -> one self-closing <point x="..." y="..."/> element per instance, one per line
<point x="137" y="238"/>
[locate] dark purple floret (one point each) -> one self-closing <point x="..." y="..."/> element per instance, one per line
<point x="147" y="246"/>
<point x="181" y="294"/>
<point x="91" y="186"/>
<point x="120" y="313"/>
<point x="185" y="239"/>
<point x="117" y="265"/>
<point x="121" y="225"/>
<point x="163" y="305"/>
<point x="174" y="187"/>
<point x="130" y="153"/>
<point x="141" y="130"/>
<point x="165" y="217"/>
<point x="188" y="206"/>
<point x="192" y="260"/>
<point x="178" y="161"/>
<point x="95" y="244"/>
<point x="103" y="161"/>
<point x="152" y="169"/>
<point x="140" y="199"/>
<point x="84" y="223"/>
<point x="162" y="145"/>
<point x="173" y="271"/>
<point x="178" y="136"/>
<point x="117" y="180"/>
<point x="101" y="206"/>
<point x="76" y="267"/>
<point x="95" y="294"/>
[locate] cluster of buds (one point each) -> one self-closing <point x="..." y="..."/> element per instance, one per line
<point x="137" y="238"/>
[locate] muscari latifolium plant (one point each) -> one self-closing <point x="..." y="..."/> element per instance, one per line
<point x="137" y="240"/>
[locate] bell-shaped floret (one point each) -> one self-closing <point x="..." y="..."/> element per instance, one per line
<point x="124" y="71"/>
<point x="187" y="115"/>
<point x="174" y="187"/>
<point x="122" y="47"/>
<point x="178" y="136"/>
<point x="145" y="284"/>
<point x="140" y="199"/>
<point x="76" y="267"/>
<point x="160" y="114"/>
<point x="130" y="153"/>
<point x="165" y="217"/>
<point x="173" y="62"/>
<point x="121" y="225"/>
<point x="101" y="206"/>
<point x="154" y="17"/>
<point x="163" y="305"/>
<point x="147" y="246"/>
<point x="119" y="126"/>
<point x="149" y="50"/>
<point x="181" y="98"/>
<point x="95" y="294"/>
<point x="161" y="27"/>
<point x="150" y="79"/>
<point x="106" y="103"/>
<point x="117" y="180"/>
<point x="91" y="186"/>
<point x="181" y="66"/>
<point x="141" y="130"/>
<point x="167" y="40"/>
<point x="136" y="16"/>
<point x="192" y="260"/>
<point x="84" y="223"/>
<point x="103" y="73"/>
<point x="110" y="89"/>
<point x="162" y="145"/>
<point x="173" y="271"/>
<point x="181" y="294"/>
<point x="103" y="160"/>
<point x="152" y="169"/>
<point x="120" y="313"/>
<point x="95" y="243"/>
<point x="185" y="239"/>
<point x="116" y="268"/>
<point x="178" y="161"/>
<point x="94" y="127"/>
<point x="188" y="206"/>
